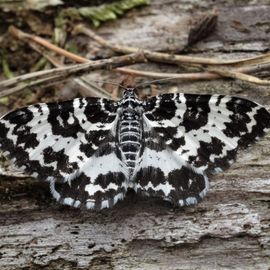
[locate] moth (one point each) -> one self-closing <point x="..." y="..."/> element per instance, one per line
<point x="92" y="150"/>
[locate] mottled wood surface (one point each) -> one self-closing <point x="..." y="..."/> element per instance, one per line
<point x="230" y="229"/>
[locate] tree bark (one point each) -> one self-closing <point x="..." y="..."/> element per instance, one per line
<point x="229" y="229"/>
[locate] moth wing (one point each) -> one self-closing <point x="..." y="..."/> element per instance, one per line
<point x="55" y="141"/>
<point x="189" y="136"/>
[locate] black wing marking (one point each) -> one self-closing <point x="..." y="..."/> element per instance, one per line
<point x="202" y="132"/>
<point x="60" y="142"/>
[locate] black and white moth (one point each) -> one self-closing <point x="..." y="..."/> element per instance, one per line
<point x="165" y="146"/>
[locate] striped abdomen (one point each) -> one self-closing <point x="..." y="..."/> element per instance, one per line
<point x="130" y="136"/>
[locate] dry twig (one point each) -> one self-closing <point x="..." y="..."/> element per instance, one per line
<point x="46" y="77"/>
<point x="235" y="69"/>
<point x="247" y="65"/>
<point x="36" y="42"/>
<point x="234" y="74"/>
<point x="237" y="73"/>
<point x="24" y="36"/>
<point x="170" y="58"/>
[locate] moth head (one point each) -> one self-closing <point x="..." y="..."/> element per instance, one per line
<point x="129" y="92"/>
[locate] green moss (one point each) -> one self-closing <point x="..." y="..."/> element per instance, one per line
<point x="101" y="13"/>
<point x="7" y="72"/>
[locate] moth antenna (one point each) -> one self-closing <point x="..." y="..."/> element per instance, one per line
<point x="109" y="82"/>
<point x="153" y="81"/>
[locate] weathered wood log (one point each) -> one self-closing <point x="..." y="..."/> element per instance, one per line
<point x="230" y="229"/>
